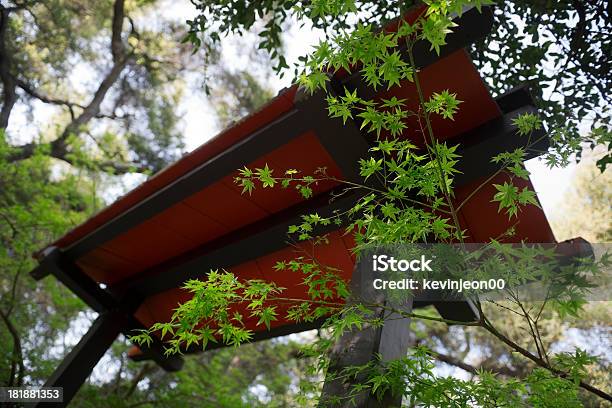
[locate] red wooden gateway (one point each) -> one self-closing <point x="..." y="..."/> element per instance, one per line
<point x="129" y="261"/>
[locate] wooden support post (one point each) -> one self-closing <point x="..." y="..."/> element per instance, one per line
<point x="102" y="301"/>
<point x="79" y="363"/>
<point x="359" y="346"/>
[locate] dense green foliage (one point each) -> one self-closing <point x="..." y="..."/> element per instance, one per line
<point x="57" y="164"/>
<point x="561" y="48"/>
<point x="33" y="210"/>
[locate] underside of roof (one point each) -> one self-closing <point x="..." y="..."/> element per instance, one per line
<point x="192" y="217"/>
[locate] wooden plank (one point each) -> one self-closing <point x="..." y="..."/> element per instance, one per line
<point x="79" y="363"/>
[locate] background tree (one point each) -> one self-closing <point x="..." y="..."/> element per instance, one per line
<point x="585" y="208"/>
<point x="562" y="50"/>
<point x="32" y="211"/>
<point x="123" y="117"/>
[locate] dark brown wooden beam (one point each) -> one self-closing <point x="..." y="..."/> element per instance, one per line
<point x="56" y="263"/>
<point x="103" y="302"/>
<point x="499" y="135"/>
<point x="261" y="142"/>
<point x="79" y="363"/>
<point x="344" y="142"/>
